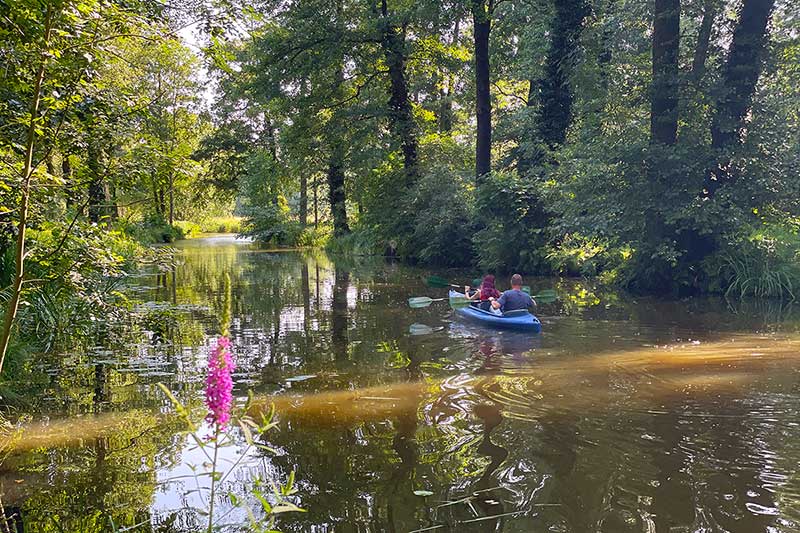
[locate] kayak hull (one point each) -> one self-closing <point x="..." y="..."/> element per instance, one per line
<point x="522" y="322"/>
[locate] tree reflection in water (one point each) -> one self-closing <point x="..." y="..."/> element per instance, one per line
<point x="592" y="426"/>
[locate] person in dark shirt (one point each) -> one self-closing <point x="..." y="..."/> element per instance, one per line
<point x="515" y="298"/>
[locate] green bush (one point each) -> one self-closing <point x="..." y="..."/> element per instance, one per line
<point x="443" y="225"/>
<point x="765" y="265"/>
<point x="229" y="224"/>
<point x="188" y="229"/>
<point x="271" y="225"/>
<point x="360" y="241"/>
<point x="152" y="230"/>
<point x="511" y="237"/>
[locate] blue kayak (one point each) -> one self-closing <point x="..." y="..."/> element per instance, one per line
<point x="520" y="320"/>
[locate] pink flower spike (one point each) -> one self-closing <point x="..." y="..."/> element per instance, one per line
<point x="219" y="384"/>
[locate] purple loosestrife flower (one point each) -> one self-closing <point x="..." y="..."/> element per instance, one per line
<point x="219" y="384"/>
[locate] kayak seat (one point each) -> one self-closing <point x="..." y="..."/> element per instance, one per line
<point x="516" y="312"/>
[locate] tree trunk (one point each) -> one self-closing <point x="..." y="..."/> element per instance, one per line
<point x="446" y="118"/>
<point x="664" y="88"/>
<point x="316" y="203"/>
<point x="400" y="113"/>
<point x="303" y="208"/>
<point x="481" y="16"/>
<point x="171" y="200"/>
<point x="555" y="90"/>
<point x="740" y="75"/>
<point x="703" y="39"/>
<point x="24" y="206"/>
<point x="97" y="195"/>
<point x="66" y="174"/>
<point x="336" y="190"/>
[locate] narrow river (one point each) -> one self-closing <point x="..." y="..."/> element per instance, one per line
<point x="624" y="415"/>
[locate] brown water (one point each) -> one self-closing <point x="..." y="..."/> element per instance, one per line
<point x="623" y="415"/>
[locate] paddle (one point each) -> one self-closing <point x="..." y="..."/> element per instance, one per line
<point x="440" y="282"/>
<point x="424" y="301"/>
<point x="546" y="296"/>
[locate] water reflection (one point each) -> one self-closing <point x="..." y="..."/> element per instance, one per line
<point x="624" y="415"/>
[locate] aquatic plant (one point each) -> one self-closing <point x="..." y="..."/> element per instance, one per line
<point x="229" y="426"/>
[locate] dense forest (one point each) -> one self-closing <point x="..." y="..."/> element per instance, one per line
<point x="653" y="144"/>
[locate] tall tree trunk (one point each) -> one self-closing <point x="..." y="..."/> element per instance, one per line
<point x="66" y="174"/>
<point x="337" y="194"/>
<point x="655" y="274"/>
<point x="303" y="208"/>
<point x="162" y="206"/>
<point x="741" y="72"/>
<point x="171" y="199"/>
<point x="272" y="144"/>
<point x="481" y="16"/>
<point x="446" y="117"/>
<point x="97" y="196"/>
<point x="24" y="205"/>
<point x="336" y="190"/>
<point x="703" y="39"/>
<point x="400" y="113"/>
<point x="51" y="165"/>
<point x="316" y="203"/>
<point x="664" y="88"/>
<point x="555" y="89"/>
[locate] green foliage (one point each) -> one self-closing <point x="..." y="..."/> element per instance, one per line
<point x="579" y="256"/>
<point x="765" y="265"/>
<point x="360" y="241"/>
<point x="154" y="230"/>
<point x="511" y="237"/>
<point x="441" y="233"/>
<point x="270" y="224"/>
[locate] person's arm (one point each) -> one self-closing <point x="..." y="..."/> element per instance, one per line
<point x="497" y="304"/>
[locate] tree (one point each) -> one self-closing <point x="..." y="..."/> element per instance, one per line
<point x="481" y="27"/>
<point x="741" y="72"/>
<point x="393" y="43"/>
<point x="54" y="49"/>
<point x="664" y="88"/>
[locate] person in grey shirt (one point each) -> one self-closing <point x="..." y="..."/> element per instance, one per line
<point x="515" y="298"/>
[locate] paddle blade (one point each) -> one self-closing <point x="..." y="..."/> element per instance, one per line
<point x="420" y="301"/>
<point x="436" y="281"/>
<point x="546" y="296"/>
<point x="458" y="301"/>
<point x="420" y="329"/>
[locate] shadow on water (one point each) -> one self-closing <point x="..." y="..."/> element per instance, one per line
<point x="624" y="415"/>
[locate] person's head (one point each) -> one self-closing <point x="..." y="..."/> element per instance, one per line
<point x="488" y="282"/>
<point x="516" y="281"/>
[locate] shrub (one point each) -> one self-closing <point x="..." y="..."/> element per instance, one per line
<point x="360" y="241"/>
<point x="512" y="236"/>
<point x="443" y="224"/>
<point x="152" y="230"/>
<point x="271" y="225"/>
<point x="765" y="265"/>
<point x="188" y="229"/>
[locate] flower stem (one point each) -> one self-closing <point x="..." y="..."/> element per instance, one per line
<point x="213" y="479"/>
